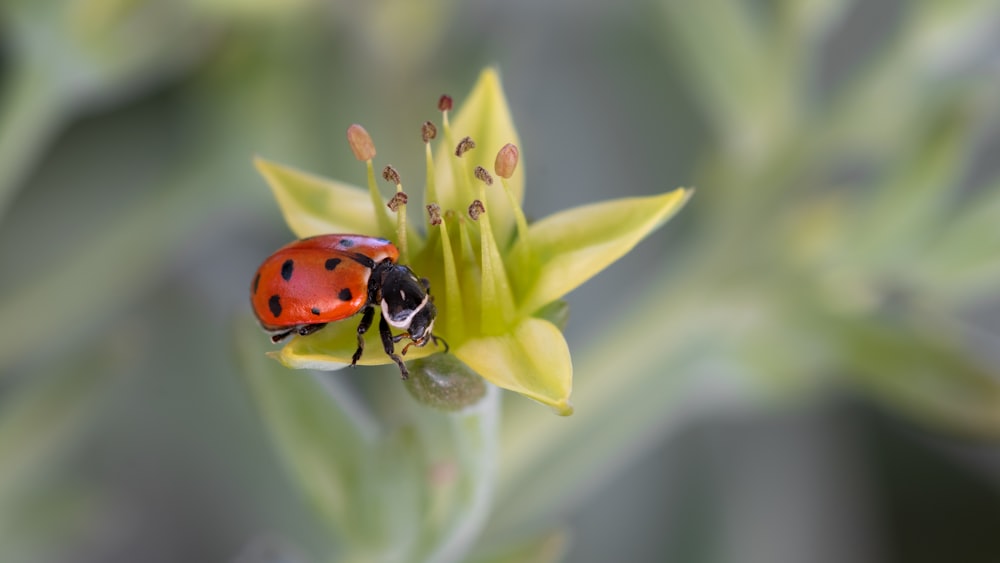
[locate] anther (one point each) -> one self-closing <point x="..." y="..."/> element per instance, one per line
<point x="506" y="161"/>
<point x="464" y="146"/>
<point x="476" y="209"/>
<point x="399" y="198"/>
<point x="483" y="176"/>
<point x="428" y="131"/>
<point x="444" y="102"/>
<point x="390" y="175"/>
<point x="361" y="143"/>
<point x="434" y="214"/>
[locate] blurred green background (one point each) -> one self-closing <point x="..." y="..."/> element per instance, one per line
<point x="802" y="366"/>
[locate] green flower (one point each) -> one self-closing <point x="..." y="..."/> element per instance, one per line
<point x="492" y="274"/>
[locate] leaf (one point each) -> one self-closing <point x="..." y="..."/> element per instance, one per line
<point x="960" y="262"/>
<point x="312" y="205"/>
<point x="923" y="375"/>
<point x="321" y="431"/>
<point x="484" y="116"/>
<point x="572" y="246"/>
<point x="532" y="359"/>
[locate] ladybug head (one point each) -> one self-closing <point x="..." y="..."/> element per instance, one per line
<point x="407" y="305"/>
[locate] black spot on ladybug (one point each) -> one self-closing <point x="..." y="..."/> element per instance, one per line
<point x="274" y="303"/>
<point x="345" y="294"/>
<point x="286" y="269"/>
<point x="315" y="310"/>
<point x="256" y="282"/>
<point x="346" y="242"/>
<point x="332" y="263"/>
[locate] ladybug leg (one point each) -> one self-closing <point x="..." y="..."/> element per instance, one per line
<point x="363" y="326"/>
<point x="278" y="337"/>
<point x="390" y="348"/>
<point x="306" y="330"/>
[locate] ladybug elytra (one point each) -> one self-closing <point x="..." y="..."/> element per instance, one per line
<point x="318" y="280"/>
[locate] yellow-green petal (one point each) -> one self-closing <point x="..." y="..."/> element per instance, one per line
<point x="312" y="205"/>
<point x="532" y="359"/>
<point x="570" y="247"/>
<point x="332" y="348"/>
<point x="484" y="116"/>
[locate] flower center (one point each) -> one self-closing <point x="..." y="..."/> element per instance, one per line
<point x="458" y="252"/>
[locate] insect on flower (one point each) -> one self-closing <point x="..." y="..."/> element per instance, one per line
<point x="326" y="278"/>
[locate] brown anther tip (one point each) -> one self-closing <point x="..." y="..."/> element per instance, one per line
<point x="398" y="199"/>
<point x="428" y="131"/>
<point x="444" y="102"/>
<point x="464" y="146"/>
<point x="476" y="209"/>
<point x="506" y="161"/>
<point x="483" y="176"/>
<point x="361" y="143"/>
<point x="390" y="175"/>
<point x="434" y="213"/>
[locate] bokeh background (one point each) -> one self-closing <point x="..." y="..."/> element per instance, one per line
<point x="801" y="366"/>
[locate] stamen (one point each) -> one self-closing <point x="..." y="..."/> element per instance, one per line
<point x="364" y="149"/>
<point x="459" y="172"/>
<point x="391" y="175"/>
<point x="444" y="103"/>
<point x="430" y="187"/>
<point x="428" y="131"/>
<point x="361" y="143"/>
<point x="497" y="299"/>
<point x="434" y="214"/>
<point x="452" y="287"/>
<point x="468" y="264"/>
<point x="482" y="175"/>
<point x="476" y="209"/>
<point x="398" y="199"/>
<point x="464" y="146"/>
<point x="505" y="165"/>
<point x="398" y="205"/>
<point x="506" y="162"/>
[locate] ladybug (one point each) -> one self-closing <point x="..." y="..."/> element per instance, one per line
<point x="318" y="280"/>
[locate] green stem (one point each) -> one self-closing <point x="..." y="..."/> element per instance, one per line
<point x="476" y="435"/>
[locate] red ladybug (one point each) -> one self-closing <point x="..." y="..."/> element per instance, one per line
<point x="326" y="278"/>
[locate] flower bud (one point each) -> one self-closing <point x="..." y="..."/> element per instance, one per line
<point x="506" y="161"/>
<point x="444" y="382"/>
<point x="361" y="143"/>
